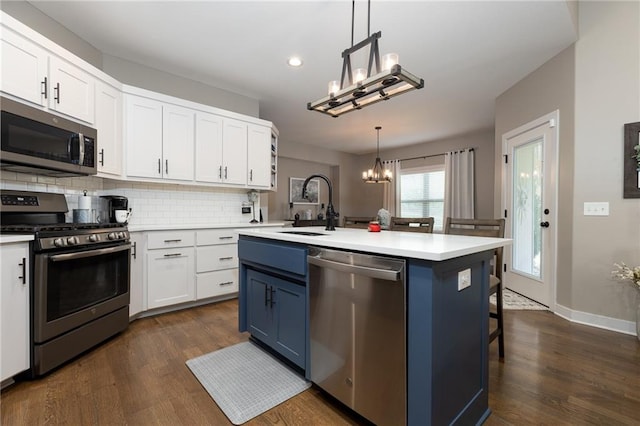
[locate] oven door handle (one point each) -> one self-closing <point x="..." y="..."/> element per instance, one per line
<point x="88" y="253"/>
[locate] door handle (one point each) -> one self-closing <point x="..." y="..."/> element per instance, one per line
<point x="102" y="157"/>
<point x="44" y="90"/>
<point x="24" y="271"/>
<point x="159" y="166"/>
<point x="251" y="175"/>
<point x="166" y="167"/>
<point x="544" y="224"/>
<point x="273" y="302"/>
<point x="56" y="96"/>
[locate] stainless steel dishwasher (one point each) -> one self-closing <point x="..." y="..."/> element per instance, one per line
<point x="358" y="332"/>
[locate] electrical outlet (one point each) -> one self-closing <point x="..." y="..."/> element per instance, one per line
<point x="246" y="210"/>
<point x="464" y="279"/>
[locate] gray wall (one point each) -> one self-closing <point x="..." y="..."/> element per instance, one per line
<point x="129" y="72"/>
<point x="607" y="96"/>
<point x="596" y="86"/>
<point x="368" y="197"/>
<point x="549" y="88"/>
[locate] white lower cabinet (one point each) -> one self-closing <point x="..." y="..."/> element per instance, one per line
<point x="136" y="283"/>
<point x="216" y="263"/>
<point x="14" y="309"/>
<point x="170" y="268"/>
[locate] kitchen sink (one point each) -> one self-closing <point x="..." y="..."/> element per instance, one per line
<point x="309" y="233"/>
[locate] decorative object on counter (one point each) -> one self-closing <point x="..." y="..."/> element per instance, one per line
<point x="630" y="274"/>
<point x="631" y="158"/>
<point x="331" y="214"/>
<point x="84" y="202"/>
<point x="295" y="191"/>
<point x="253" y="197"/>
<point x="384" y="218"/>
<point x="377" y="174"/>
<point x="374" y="227"/>
<point x="245" y="381"/>
<point x="362" y="88"/>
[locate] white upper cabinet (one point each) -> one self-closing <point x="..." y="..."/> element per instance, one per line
<point x="71" y="90"/>
<point x="259" y="156"/>
<point x="208" y="148"/>
<point x="177" y="142"/>
<point x="159" y="139"/>
<point x="234" y="152"/>
<point x="143" y="137"/>
<point x="109" y="126"/>
<point x="30" y="73"/>
<point x="24" y="68"/>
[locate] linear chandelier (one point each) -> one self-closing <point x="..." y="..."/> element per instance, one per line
<point x="378" y="174"/>
<point x="364" y="87"/>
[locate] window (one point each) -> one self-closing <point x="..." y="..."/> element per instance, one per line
<point x="422" y="193"/>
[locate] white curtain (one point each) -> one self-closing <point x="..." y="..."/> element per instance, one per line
<point x="459" y="184"/>
<point x="391" y="200"/>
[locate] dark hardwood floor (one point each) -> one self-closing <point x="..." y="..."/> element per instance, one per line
<point x="555" y="372"/>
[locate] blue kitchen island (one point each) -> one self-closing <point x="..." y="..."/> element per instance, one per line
<point x="446" y="313"/>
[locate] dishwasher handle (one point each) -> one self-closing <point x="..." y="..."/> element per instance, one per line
<point x="383" y="274"/>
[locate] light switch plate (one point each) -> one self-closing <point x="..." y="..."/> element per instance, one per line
<point x="596" y="209"/>
<point x="464" y="279"/>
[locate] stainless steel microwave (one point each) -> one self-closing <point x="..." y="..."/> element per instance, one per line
<point x="35" y="141"/>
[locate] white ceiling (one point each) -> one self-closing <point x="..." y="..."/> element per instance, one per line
<point x="468" y="53"/>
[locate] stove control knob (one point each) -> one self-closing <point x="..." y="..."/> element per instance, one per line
<point x="93" y="238"/>
<point x="58" y="242"/>
<point x="72" y="241"/>
<point x="112" y="236"/>
<point x="121" y="235"/>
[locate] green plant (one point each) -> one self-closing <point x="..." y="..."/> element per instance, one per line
<point x="627" y="273"/>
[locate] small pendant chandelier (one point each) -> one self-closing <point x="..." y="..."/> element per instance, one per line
<point x="378" y="174"/>
<point x="363" y="87"/>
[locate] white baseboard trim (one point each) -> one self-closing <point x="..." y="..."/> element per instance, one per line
<point x="594" y="320"/>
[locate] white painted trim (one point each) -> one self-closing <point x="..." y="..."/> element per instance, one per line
<point x="594" y="320"/>
<point x="551" y="119"/>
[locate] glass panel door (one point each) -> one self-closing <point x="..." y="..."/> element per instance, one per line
<point x="527" y="208"/>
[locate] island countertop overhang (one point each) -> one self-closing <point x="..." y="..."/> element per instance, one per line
<point x="434" y="247"/>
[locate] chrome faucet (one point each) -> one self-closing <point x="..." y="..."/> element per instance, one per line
<point x="331" y="214"/>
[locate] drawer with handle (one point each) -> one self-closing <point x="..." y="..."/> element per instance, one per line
<point x="216" y="283"/>
<point x="213" y="258"/>
<point x="216" y="236"/>
<point x="170" y="239"/>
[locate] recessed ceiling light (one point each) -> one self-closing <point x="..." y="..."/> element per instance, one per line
<point x="294" y="61"/>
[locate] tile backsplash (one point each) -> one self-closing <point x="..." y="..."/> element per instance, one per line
<point x="151" y="203"/>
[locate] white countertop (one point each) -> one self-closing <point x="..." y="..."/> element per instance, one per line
<point x="181" y="226"/>
<point x="15" y="238"/>
<point x="393" y="243"/>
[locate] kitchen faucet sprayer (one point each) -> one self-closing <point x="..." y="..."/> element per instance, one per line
<point x="331" y="214"/>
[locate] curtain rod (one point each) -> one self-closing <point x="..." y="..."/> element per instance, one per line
<point x="433" y="155"/>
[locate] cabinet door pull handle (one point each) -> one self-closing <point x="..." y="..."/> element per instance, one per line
<point x="225" y="172"/>
<point x="220" y="172"/>
<point x="173" y="255"/>
<point x="226" y="283"/>
<point x="173" y="241"/>
<point x="102" y="157"/>
<point x="225" y="238"/>
<point x="23" y="277"/>
<point x="134" y="250"/>
<point x="251" y="175"/>
<point x="56" y="95"/>
<point x="273" y="301"/>
<point x="166" y="167"/>
<point x="159" y="166"/>
<point x="44" y="88"/>
<point x="266" y="297"/>
<point x="225" y="258"/>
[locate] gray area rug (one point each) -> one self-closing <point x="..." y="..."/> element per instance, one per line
<point x="514" y="301"/>
<point x="246" y="381"/>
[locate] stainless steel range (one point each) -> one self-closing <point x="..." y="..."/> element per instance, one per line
<point x="80" y="277"/>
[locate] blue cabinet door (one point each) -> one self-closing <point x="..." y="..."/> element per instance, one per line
<point x="290" y="321"/>
<point x="259" y="311"/>
<point x="276" y="314"/>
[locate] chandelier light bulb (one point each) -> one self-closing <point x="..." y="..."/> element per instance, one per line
<point x="359" y="75"/>
<point x="333" y="87"/>
<point x="389" y="60"/>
